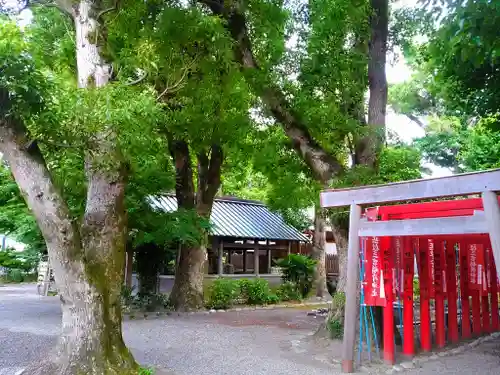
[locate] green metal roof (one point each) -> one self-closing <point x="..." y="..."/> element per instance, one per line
<point x="232" y="217"/>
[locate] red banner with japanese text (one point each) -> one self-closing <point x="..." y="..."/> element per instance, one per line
<point x="397" y="269"/>
<point x="373" y="285"/>
<point x="408" y="267"/>
<point x="439" y="275"/>
<point x="431" y="268"/>
<point x="477" y="268"/>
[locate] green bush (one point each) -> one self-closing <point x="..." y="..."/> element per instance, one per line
<point x="244" y="287"/>
<point x="288" y="292"/>
<point x="336" y="328"/>
<point x="299" y="270"/>
<point x="256" y="291"/>
<point x="223" y="293"/>
<point x="273" y="299"/>
<point x="126" y="295"/>
<point x="150" y="302"/>
<point x="15" y="275"/>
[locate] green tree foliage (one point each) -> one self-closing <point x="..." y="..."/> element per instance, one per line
<point x="457" y="85"/>
<point x="16" y="220"/>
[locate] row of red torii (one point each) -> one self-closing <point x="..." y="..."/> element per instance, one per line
<point x="456" y="243"/>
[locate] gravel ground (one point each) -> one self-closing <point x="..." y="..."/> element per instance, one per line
<point x="274" y="342"/>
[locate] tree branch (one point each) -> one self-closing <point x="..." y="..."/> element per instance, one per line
<point x="178" y="85"/>
<point x="209" y="178"/>
<point x="136" y="81"/>
<point x="322" y="164"/>
<point x="184" y="186"/>
<point x="42" y="196"/>
<point x="415" y="119"/>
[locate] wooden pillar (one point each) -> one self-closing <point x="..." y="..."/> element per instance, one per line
<point x="425" y="296"/>
<point x="269" y="261"/>
<point x="290" y="247"/>
<point x="494" y="294"/>
<point x="464" y="289"/>
<point x="388" y="314"/>
<point x="244" y="261"/>
<point x="492" y="213"/>
<point x="407" y="287"/>
<point x="439" y="266"/>
<point x="256" y="257"/>
<point x="220" y="261"/>
<point x="351" y="307"/>
<point x="451" y="282"/>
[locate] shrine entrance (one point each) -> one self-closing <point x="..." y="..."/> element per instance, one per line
<point x="448" y="249"/>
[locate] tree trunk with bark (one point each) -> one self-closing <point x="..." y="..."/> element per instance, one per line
<point x="368" y="148"/>
<point x="187" y="292"/>
<point x="88" y="258"/>
<point x="318" y="254"/>
<point x="88" y="261"/>
<point x="340" y="233"/>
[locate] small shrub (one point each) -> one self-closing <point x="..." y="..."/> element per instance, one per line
<point x="255" y="292"/>
<point x="126" y="295"/>
<point x="244" y="285"/>
<point x="288" y="292"/>
<point x="15" y="275"/>
<point x="223" y="293"/>
<point x="272" y="299"/>
<point x="30" y="277"/>
<point x="338" y="300"/>
<point x="336" y="328"/>
<point x="299" y="270"/>
<point x="150" y="302"/>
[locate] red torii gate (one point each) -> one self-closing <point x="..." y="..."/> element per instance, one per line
<point x="438" y="222"/>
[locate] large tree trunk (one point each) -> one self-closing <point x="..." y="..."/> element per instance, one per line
<point x="88" y="261"/>
<point x="187" y="292"/>
<point x="89" y="281"/>
<point x="340" y="233"/>
<point x="368" y="148"/>
<point x="318" y="254"/>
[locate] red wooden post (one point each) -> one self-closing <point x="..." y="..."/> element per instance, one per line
<point x="485" y="313"/>
<point x="425" y="314"/>
<point x="464" y="289"/>
<point x="451" y="280"/>
<point x="473" y="248"/>
<point x="485" y="299"/>
<point x="494" y="292"/>
<point x="476" y="312"/>
<point x="408" y="267"/>
<point x="438" y="283"/>
<point x="389" y="350"/>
